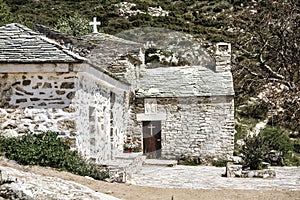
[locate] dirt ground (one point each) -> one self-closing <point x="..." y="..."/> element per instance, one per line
<point x="133" y="192"/>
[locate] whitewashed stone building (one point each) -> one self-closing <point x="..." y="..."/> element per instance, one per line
<point x="43" y="86"/>
<point x="109" y="96"/>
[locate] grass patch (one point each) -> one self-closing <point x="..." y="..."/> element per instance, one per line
<point x="243" y="126"/>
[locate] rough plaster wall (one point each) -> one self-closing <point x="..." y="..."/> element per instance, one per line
<point x="51" y="90"/>
<point x="118" y="125"/>
<point x="195" y="127"/>
<point x="134" y="127"/>
<point x="77" y="105"/>
<point x="100" y="129"/>
<point x="35" y="102"/>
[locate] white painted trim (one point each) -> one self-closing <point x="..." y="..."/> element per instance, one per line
<point x="108" y="80"/>
<point x="64" y="67"/>
<point x="151" y="117"/>
<point x="34" y="67"/>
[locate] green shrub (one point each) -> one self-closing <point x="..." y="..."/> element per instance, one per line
<point x="74" y="25"/>
<point x="47" y="149"/>
<point x="296" y="146"/>
<point x="292" y="159"/>
<point x="220" y="7"/>
<point x="257" y="148"/>
<point x="254" y="150"/>
<point x="149" y="58"/>
<point x="277" y="140"/>
<point x="5" y="14"/>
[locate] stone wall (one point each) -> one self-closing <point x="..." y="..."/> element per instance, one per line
<point x="100" y="118"/>
<point x="77" y="105"/>
<point x="36" y="102"/>
<point x="200" y="127"/>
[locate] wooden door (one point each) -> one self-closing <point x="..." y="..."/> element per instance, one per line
<point x="152" y="138"/>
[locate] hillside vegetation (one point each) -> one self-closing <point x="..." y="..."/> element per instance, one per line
<point x="264" y="36"/>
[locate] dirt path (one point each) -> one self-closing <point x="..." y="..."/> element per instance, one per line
<point x="133" y="192"/>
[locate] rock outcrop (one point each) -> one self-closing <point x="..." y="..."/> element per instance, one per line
<point x="17" y="184"/>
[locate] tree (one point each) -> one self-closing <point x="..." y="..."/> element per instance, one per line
<point x="73" y="25"/>
<point x="268" y="56"/>
<point x="5" y="14"/>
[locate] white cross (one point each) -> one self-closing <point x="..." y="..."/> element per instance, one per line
<point x="94" y="23"/>
<point x="151" y="128"/>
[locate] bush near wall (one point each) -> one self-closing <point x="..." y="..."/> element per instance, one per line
<point x="257" y="148"/>
<point x="46" y="149"/>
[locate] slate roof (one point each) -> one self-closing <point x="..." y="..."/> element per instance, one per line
<point x="184" y="82"/>
<point x="110" y="52"/>
<point x="109" y="49"/>
<point x="181" y="81"/>
<point x="19" y="44"/>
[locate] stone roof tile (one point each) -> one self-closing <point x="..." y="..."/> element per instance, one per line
<point x="19" y="44"/>
<point x="184" y="82"/>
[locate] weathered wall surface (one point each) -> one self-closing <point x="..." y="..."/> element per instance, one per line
<point x="77" y="105"/>
<point x="36" y="102"/>
<point x="100" y="119"/>
<point x="195" y="127"/>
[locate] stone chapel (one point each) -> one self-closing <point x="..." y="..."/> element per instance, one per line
<point x="98" y="92"/>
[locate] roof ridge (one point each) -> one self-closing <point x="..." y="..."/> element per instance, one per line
<point x="61" y="47"/>
<point x="93" y="37"/>
<point x="24" y="28"/>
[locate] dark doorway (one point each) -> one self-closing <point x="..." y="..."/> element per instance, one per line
<point x="152" y="138"/>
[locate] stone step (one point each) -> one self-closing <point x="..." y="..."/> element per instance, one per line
<point x="118" y="163"/>
<point x="160" y="162"/>
<point x="128" y="156"/>
<point x="124" y="165"/>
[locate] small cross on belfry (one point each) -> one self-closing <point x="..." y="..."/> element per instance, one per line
<point x="94" y="23"/>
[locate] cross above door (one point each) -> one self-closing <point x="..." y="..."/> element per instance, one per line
<point x="151" y="127"/>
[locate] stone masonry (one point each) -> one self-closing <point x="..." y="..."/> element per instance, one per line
<point x="195" y="105"/>
<point x="195" y="127"/>
<point x="100" y="100"/>
<point x="50" y="88"/>
<point x="74" y="104"/>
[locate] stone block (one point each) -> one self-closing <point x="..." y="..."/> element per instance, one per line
<point x="67" y="85"/>
<point x="233" y="170"/>
<point x="47" y="85"/>
<point x="66" y="124"/>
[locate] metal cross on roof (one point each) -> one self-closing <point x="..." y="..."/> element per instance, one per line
<point x="94" y="23"/>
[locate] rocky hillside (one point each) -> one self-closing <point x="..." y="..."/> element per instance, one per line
<point x="264" y="36"/>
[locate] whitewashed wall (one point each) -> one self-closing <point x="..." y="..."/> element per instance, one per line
<point x="100" y="118"/>
<point x="195" y="127"/>
<point x="37" y="102"/>
<point x="78" y="105"/>
<point x="198" y="128"/>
